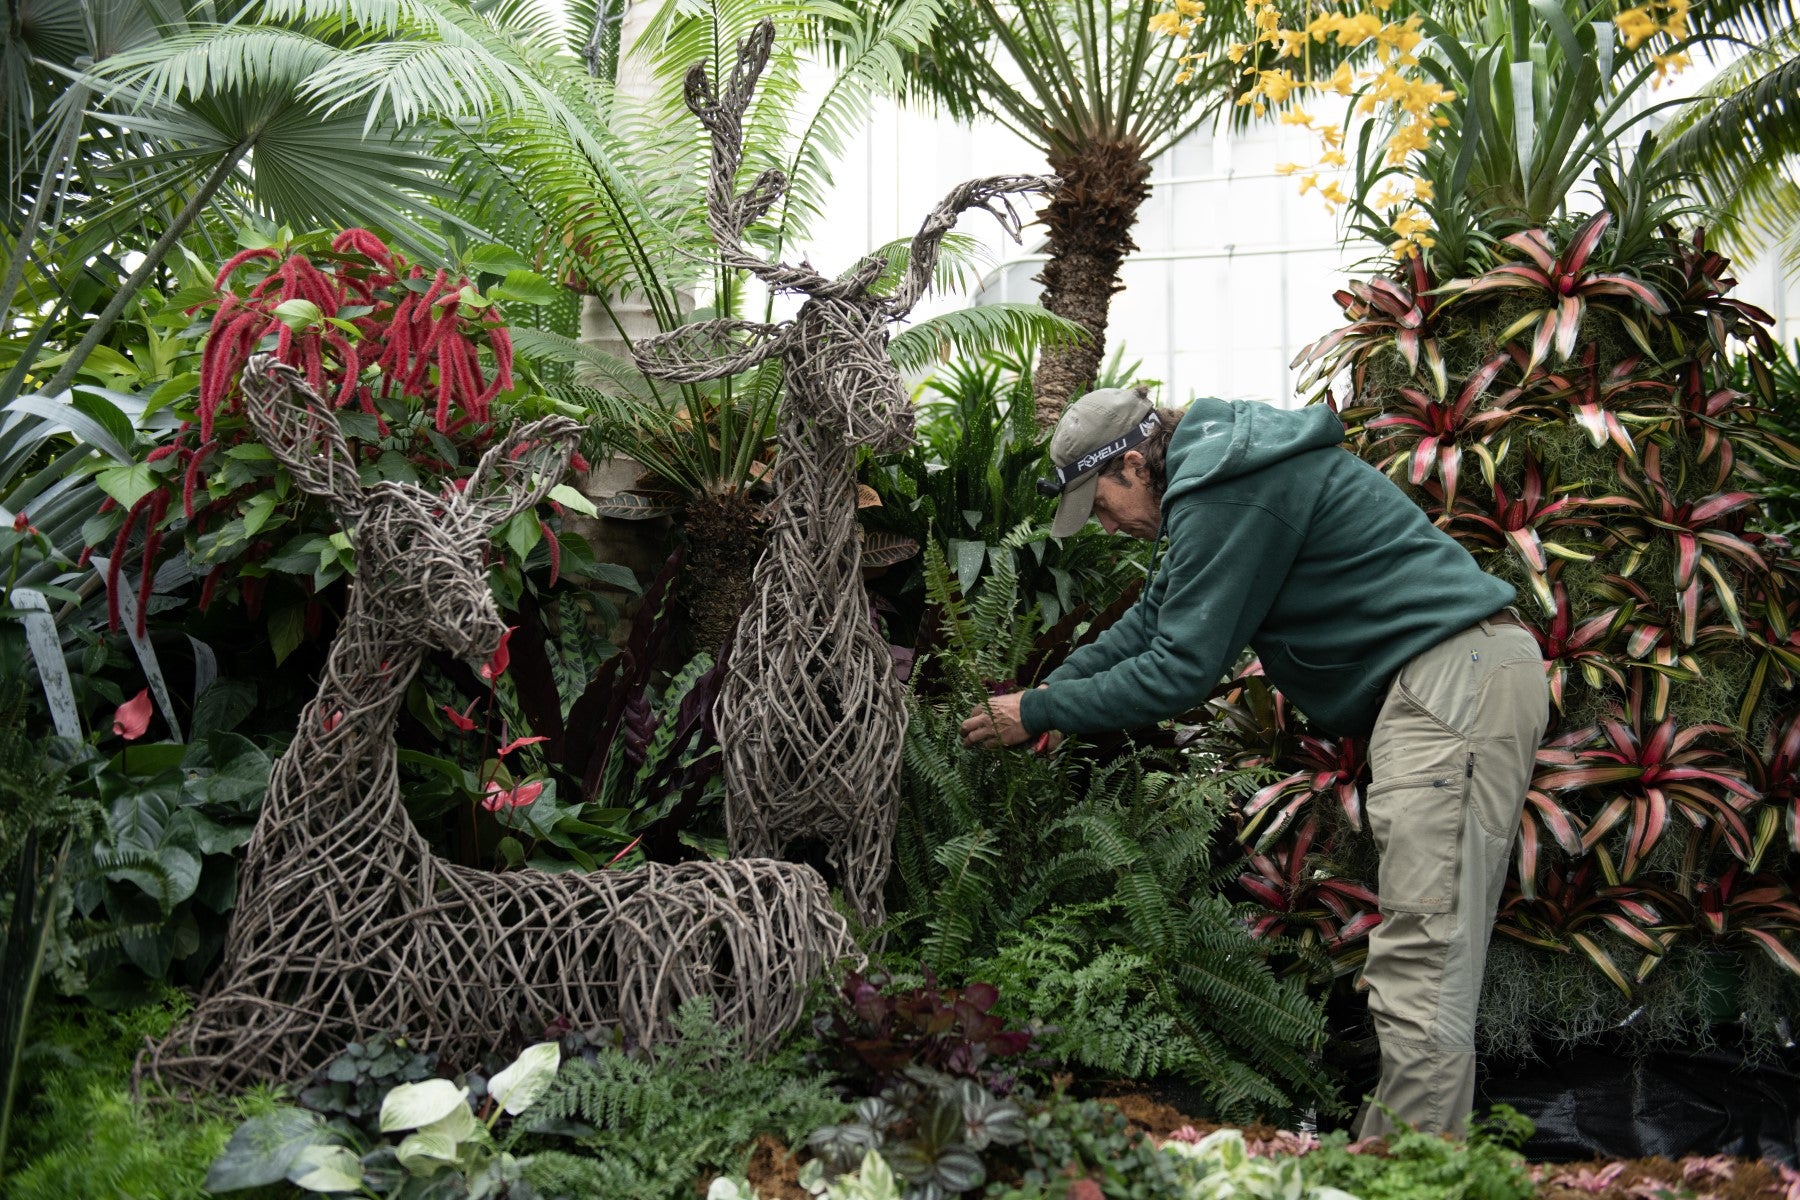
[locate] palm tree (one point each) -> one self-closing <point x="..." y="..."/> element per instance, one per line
<point x="1101" y="92"/>
<point x="122" y="158"/>
<point x="596" y="187"/>
<point x="1739" y="141"/>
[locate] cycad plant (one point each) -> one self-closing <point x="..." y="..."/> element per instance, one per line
<point x="1020" y="868"/>
<point x="1101" y="89"/>
<point x="1555" y="388"/>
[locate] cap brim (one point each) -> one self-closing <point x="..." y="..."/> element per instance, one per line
<point x="1075" y="507"/>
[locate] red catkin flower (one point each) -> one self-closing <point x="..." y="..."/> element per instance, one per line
<point x="190" y="479"/>
<point x="210" y="586"/>
<point x="555" y="548"/>
<point x="117" y="559"/>
<point x="237" y="260"/>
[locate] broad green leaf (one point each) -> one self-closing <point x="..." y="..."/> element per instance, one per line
<point x="107" y="414"/>
<point x="528" y="287"/>
<point x="616" y="575"/>
<point x="573" y="500"/>
<point x="298" y="314"/>
<point x="414" y="1104"/>
<point x="256" y="511"/>
<point x="326" y="1169"/>
<point x="496" y="260"/>
<point x="425" y="1153"/>
<point x="287" y="626"/>
<point x="127" y="485"/>
<point x="233" y="775"/>
<point x="518" y="1086"/>
<point x="135" y="819"/>
<point x="523" y="533"/>
<point x="969" y="556"/>
<point x="263" y="1148"/>
<point x="459" y="1124"/>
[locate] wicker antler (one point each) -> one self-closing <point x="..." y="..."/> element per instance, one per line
<point x="346" y="923"/>
<point x="811" y="716"/>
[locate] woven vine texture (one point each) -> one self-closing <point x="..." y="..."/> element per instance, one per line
<point x="811" y="716"/>
<point x="347" y="925"/>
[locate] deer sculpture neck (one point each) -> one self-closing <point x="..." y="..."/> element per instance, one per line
<point x="348" y="729"/>
<point x="420" y="582"/>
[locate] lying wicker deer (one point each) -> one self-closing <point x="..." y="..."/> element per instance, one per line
<point x="811" y="717"/>
<point x="347" y="925"/>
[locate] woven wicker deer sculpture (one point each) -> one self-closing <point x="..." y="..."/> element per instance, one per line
<point x="347" y="925"/>
<point x="811" y="717"/>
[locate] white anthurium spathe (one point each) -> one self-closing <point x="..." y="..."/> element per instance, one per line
<point x="459" y="1123"/>
<point x="326" y="1169"/>
<point x="413" y="1105"/>
<point x="426" y="1152"/>
<point x="517" y="1088"/>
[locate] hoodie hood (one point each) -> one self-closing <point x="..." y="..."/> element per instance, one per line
<point x="1219" y="440"/>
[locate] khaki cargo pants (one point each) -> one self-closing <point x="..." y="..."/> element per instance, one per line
<point x="1451" y="756"/>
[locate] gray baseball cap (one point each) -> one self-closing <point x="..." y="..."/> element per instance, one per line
<point x="1093" y="431"/>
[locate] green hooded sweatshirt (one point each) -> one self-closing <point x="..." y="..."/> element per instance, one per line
<point x="1281" y="540"/>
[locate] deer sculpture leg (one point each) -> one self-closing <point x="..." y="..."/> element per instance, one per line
<point x="811" y="716"/>
<point x="347" y="924"/>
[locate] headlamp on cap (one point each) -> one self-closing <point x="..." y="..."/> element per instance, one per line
<point x="1066" y="477"/>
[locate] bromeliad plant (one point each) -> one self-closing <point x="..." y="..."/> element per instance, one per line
<point x="1587" y="367"/>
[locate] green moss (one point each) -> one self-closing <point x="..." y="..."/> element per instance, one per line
<point x="1534" y="1000"/>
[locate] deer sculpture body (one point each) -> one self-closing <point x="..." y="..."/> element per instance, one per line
<point x="811" y="717"/>
<point x="346" y="923"/>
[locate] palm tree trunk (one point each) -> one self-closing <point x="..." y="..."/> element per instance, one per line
<point x="724" y="531"/>
<point x="1089" y="219"/>
<point x="152" y="259"/>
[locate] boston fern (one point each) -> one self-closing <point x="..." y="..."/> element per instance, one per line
<point x="619" y="1125"/>
<point x="1105" y="861"/>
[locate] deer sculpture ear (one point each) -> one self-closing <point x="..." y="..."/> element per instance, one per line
<point x="518" y="473"/>
<point x="302" y="431"/>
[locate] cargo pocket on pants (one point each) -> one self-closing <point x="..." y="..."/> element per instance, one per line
<point x="1417" y="822"/>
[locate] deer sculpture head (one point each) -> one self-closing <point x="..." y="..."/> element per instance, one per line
<point x="421" y="573"/>
<point x="840" y="378"/>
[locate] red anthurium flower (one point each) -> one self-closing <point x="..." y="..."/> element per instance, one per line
<point x="133" y="716"/>
<point x="498" y="798"/>
<point x="627" y="850"/>
<point x="465" y="719"/>
<point x="503" y="751"/>
<point x="495" y="667"/>
<point x="333" y="720"/>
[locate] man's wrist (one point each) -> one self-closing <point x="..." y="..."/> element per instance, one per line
<point x="1025" y="722"/>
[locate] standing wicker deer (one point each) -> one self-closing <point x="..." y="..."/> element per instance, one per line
<point x="347" y="925"/>
<point x="811" y="716"/>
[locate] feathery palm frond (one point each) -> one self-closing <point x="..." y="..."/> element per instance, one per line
<point x="981" y="330"/>
<point x="1739" y="142"/>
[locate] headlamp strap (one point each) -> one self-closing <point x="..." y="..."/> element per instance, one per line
<point x="1100" y="455"/>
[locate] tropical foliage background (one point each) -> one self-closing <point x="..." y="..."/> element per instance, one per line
<point x="454" y="216"/>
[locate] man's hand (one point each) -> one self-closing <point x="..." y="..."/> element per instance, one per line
<point x="995" y="723"/>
